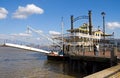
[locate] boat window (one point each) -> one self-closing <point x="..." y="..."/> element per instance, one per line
<point x="96" y="34"/>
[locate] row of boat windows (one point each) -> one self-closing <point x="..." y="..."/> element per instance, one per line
<point x="98" y="34"/>
<point x="95" y="34"/>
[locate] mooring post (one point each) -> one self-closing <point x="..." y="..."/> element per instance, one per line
<point x="112" y="56"/>
<point x="113" y="59"/>
<point x="94" y="68"/>
<point x="72" y="19"/>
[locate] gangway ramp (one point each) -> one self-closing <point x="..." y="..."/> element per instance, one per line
<point x="25" y="47"/>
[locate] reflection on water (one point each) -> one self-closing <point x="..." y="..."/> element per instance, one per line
<point x="17" y="63"/>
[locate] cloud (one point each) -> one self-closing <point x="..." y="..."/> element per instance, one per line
<point x="39" y="31"/>
<point x="3" y="13"/>
<point x="113" y="25"/>
<point x="54" y="33"/>
<point x="22" y="34"/>
<point x="24" y="12"/>
<point x="3" y="36"/>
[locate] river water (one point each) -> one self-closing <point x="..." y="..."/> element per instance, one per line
<point x="17" y="63"/>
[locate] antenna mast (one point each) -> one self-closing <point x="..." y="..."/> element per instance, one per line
<point x="62" y="26"/>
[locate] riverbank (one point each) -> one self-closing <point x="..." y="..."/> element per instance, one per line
<point x="112" y="72"/>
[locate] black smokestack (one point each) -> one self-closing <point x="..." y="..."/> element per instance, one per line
<point x="90" y="23"/>
<point x="72" y="18"/>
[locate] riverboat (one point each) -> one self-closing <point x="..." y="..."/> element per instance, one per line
<point x="83" y="38"/>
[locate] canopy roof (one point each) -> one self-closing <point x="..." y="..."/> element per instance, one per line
<point x="85" y="28"/>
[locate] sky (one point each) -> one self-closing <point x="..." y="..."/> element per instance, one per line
<point x="46" y="15"/>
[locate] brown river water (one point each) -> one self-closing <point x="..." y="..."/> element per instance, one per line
<point x="18" y="63"/>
